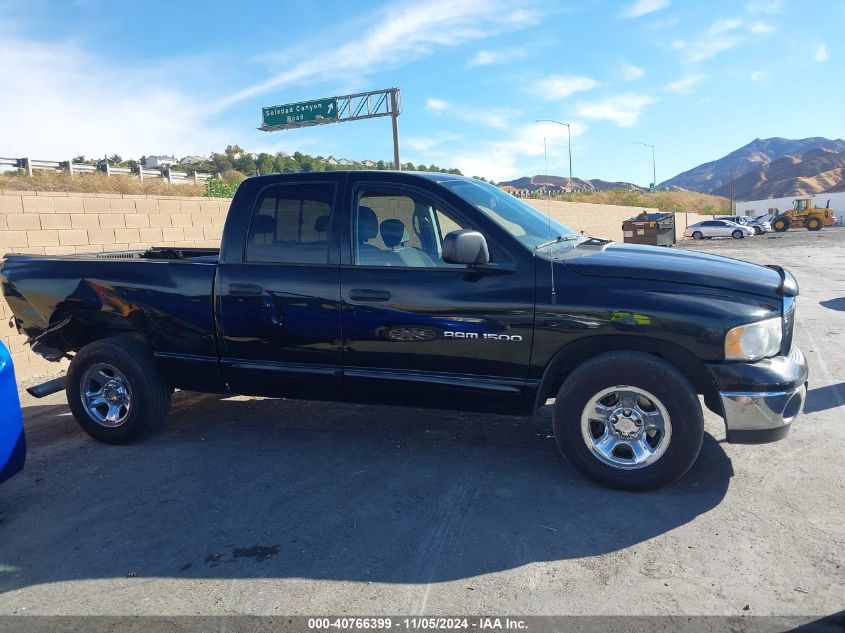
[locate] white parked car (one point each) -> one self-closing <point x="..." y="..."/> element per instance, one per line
<point x="717" y="228"/>
<point x="755" y="224"/>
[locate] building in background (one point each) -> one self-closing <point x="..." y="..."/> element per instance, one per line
<point x="153" y="162"/>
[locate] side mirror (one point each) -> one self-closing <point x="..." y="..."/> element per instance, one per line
<point x="465" y="247"/>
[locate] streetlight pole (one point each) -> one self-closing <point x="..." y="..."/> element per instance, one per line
<point x="569" y="145"/>
<point x="653" y="164"/>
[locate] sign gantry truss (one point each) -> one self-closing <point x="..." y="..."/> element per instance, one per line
<point x="354" y="107"/>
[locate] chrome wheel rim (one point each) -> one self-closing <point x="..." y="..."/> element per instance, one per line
<point x="106" y="395"/>
<point x="626" y="427"/>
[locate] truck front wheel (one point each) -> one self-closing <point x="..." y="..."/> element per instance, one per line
<point x="115" y="392"/>
<point x="628" y="420"/>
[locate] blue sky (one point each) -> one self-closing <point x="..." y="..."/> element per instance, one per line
<point x="696" y="79"/>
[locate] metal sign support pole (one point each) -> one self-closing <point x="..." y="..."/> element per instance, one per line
<point x="394" y="107"/>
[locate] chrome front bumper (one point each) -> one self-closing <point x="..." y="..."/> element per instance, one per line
<point x="754" y="415"/>
<point x="757" y="417"/>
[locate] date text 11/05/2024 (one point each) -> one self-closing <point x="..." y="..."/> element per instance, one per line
<point x="429" y="623"/>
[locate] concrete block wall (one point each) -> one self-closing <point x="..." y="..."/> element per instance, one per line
<point x="605" y="220"/>
<point x="57" y="223"/>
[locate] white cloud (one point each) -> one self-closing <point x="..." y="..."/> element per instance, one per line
<point x="722" y="35"/>
<point x="489" y="117"/>
<point x="557" y="87"/>
<point x="643" y="7"/>
<point x="666" y="23"/>
<point x="62" y="100"/>
<point x="765" y="6"/>
<point x="489" y="57"/>
<point x="758" y="75"/>
<point x="623" y="109"/>
<point x="425" y="143"/>
<point x="761" y="28"/>
<point x="821" y="53"/>
<point x="397" y="34"/>
<point x="436" y="105"/>
<point x="506" y="158"/>
<point x="685" y="84"/>
<point x="630" y="72"/>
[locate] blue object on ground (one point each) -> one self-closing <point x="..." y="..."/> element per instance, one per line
<point x="12" y="438"/>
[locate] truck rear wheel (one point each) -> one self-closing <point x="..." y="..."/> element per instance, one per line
<point x="115" y="392"/>
<point x="814" y="224"/>
<point x="780" y="225"/>
<point x="628" y="420"/>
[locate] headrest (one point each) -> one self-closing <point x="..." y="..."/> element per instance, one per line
<point x="321" y="224"/>
<point x="393" y="233"/>
<point x="367" y="224"/>
<point x="262" y="224"/>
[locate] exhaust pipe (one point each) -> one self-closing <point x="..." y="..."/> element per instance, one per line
<point x="48" y="388"/>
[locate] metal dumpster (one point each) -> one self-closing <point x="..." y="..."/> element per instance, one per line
<point x="655" y="229"/>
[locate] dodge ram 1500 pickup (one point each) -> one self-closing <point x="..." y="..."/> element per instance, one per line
<point x="425" y="290"/>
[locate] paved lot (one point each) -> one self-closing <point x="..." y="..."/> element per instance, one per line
<point x="278" y="507"/>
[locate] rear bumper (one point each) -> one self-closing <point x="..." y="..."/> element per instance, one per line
<point x="761" y="400"/>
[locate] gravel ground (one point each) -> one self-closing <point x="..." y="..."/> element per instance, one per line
<point x="255" y="506"/>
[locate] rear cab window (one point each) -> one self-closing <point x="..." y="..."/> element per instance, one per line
<point x="291" y="224"/>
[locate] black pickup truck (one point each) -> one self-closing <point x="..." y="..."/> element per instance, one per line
<point x="431" y="290"/>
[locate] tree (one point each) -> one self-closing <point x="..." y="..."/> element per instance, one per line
<point x="221" y="162"/>
<point x="115" y="159"/>
<point x="265" y="163"/>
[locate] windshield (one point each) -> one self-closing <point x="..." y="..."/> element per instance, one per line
<point x="524" y="222"/>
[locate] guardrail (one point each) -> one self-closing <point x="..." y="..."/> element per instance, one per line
<point x="171" y="175"/>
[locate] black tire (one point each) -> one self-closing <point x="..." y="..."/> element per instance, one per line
<point x="737" y="234"/>
<point x="757" y="230"/>
<point x="814" y="224"/>
<point x="643" y="372"/>
<point x="150" y="396"/>
<point x="780" y="225"/>
<point x="697" y="235"/>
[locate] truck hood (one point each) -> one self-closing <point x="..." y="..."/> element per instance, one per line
<point x="669" y="264"/>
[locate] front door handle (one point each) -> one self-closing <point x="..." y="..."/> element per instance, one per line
<point x="245" y="290"/>
<point x="368" y="295"/>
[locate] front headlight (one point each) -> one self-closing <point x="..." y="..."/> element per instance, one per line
<point x="754" y="341"/>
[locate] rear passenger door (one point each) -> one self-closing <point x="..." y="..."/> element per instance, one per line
<point x="278" y="303"/>
<point x="421" y="332"/>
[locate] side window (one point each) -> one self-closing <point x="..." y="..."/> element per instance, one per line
<point x="290" y="224"/>
<point x="400" y="229"/>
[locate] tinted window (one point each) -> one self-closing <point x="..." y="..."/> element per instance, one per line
<point x="290" y="224"/>
<point x="400" y="229"/>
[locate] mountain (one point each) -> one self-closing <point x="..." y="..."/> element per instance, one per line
<point x="814" y="171"/>
<point x="535" y="183"/>
<point x="712" y="177"/>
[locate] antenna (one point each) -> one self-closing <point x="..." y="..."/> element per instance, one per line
<point x="549" y="214"/>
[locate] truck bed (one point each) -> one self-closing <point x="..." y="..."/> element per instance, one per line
<point x="163" y="294"/>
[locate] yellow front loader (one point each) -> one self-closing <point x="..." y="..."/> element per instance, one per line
<point x="804" y="215"/>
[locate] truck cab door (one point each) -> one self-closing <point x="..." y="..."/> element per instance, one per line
<point x="418" y="331"/>
<point x="278" y="297"/>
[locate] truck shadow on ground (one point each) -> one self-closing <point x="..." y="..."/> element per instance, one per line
<point x="834" y="304"/>
<point x="287" y="489"/>
<point x="823" y="398"/>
